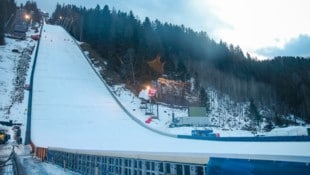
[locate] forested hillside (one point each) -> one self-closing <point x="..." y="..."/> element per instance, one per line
<point x="128" y="44"/>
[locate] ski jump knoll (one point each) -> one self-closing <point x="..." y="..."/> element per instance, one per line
<point x="73" y="109"/>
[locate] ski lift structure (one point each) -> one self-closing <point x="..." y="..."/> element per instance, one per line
<point x="147" y="101"/>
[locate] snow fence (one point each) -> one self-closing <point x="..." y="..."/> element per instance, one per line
<point x="28" y="124"/>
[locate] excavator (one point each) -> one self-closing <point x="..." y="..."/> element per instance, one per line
<point x="3" y="136"/>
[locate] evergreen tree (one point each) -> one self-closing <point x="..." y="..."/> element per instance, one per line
<point x="7" y="9"/>
<point x="204" y="100"/>
<point x="32" y="9"/>
<point x="253" y="113"/>
<point x="181" y="71"/>
<point x="203" y="97"/>
<point x="2" y="20"/>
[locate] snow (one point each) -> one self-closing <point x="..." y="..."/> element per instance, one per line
<point x="8" y="65"/>
<point x="132" y="103"/>
<point x="11" y="108"/>
<point x="144" y="94"/>
<point x="72" y="108"/>
<point x="289" y="131"/>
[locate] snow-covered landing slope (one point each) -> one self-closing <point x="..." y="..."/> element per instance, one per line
<point x="73" y="109"/>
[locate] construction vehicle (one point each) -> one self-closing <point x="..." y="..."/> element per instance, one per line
<point x="3" y="136"/>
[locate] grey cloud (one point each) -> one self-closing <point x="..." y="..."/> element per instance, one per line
<point x="172" y="11"/>
<point x="299" y="46"/>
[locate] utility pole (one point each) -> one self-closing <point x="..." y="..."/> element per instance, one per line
<point x="81" y="27"/>
<point x="7" y="23"/>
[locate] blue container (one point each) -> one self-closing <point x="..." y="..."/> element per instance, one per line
<point x="207" y="131"/>
<point x="196" y="132"/>
<point x="226" y="166"/>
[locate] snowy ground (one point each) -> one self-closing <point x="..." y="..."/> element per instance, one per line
<point x="132" y="103"/>
<point x="16" y="59"/>
<point x="14" y="71"/>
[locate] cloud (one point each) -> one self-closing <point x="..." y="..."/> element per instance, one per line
<point x="250" y="24"/>
<point x="299" y="46"/>
<point x="197" y="14"/>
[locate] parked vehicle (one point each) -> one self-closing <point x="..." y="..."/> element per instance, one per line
<point x="205" y="133"/>
<point x="3" y="136"/>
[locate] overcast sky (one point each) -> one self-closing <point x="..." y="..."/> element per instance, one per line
<point x="254" y="25"/>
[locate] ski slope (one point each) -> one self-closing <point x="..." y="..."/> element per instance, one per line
<point x="73" y="109"/>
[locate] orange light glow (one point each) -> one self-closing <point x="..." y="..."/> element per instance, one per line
<point x="27" y="17"/>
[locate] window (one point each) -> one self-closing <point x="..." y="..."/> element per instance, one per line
<point x="168" y="168"/>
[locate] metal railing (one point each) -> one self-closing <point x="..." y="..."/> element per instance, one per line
<point x="29" y="111"/>
<point x="110" y="165"/>
<point x="11" y="165"/>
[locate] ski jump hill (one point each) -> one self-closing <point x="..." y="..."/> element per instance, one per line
<point x="74" y="111"/>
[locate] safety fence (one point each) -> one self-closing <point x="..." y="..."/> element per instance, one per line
<point x="101" y="163"/>
<point x="29" y="111"/>
<point x="39" y="152"/>
<point x="128" y="163"/>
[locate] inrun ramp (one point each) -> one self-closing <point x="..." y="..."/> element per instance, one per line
<point x="73" y="109"/>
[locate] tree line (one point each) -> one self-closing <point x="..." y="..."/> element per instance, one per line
<point x="7" y="9"/>
<point x="7" y="14"/>
<point x="281" y="84"/>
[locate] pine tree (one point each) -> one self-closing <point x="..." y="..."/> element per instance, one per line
<point x="2" y="20"/>
<point x="204" y="99"/>
<point x="253" y="113"/>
